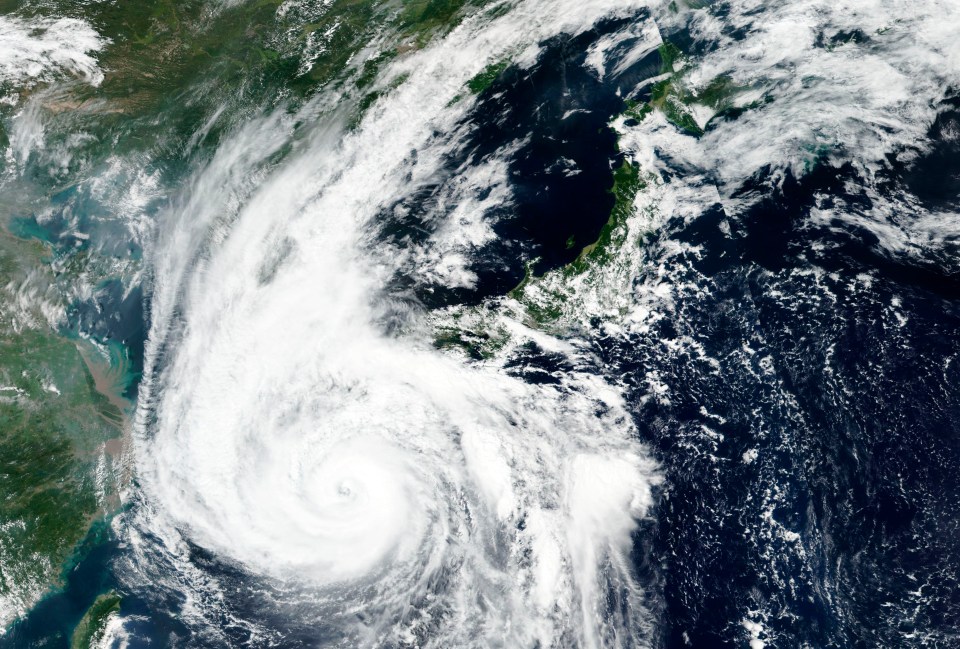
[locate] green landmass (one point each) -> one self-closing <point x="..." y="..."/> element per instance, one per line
<point x="673" y="97"/>
<point x="601" y="270"/>
<point x="546" y="299"/>
<point x="178" y="74"/>
<point x="478" y="345"/>
<point x="90" y="630"/>
<point x="486" y="77"/>
<point x="55" y="473"/>
<point x="627" y="181"/>
<point x="176" y="68"/>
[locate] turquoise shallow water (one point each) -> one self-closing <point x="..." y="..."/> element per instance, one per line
<point x="52" y="621"/>
<point x="577" y="325"/>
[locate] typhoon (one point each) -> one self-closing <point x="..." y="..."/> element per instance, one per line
<point x="525" y="324"/>
<point x="305" y="429"/>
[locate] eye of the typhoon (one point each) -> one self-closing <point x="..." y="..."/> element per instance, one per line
<point x="525" y="324"/>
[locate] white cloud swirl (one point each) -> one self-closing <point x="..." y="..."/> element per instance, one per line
<point x="439" y="502"/>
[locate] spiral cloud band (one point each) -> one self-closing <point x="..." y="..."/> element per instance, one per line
<point x="291" y="428"/>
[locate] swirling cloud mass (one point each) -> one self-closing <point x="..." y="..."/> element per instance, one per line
<point x="537" y="323"/>
<point x="297" y="433"/>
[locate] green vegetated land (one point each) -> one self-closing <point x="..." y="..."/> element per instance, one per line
<point x="675" y="98"/>
<point x="627" y="181"/>
<point x="54" y="425"/>
<point x="183" y="67"/>
<point x="178" y="74"/>
<point x="171" y="65"/>
<point x="545" y="299"/>
<point x="672" y="97"/>
<point x="92" y="627"/>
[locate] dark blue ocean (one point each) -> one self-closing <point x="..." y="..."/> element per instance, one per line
<point x="825" y="392"/>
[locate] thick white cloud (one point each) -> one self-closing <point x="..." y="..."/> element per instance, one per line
<point x="287" y="431"/>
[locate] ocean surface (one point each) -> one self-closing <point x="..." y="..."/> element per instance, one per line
<point x="503" y="324"/>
